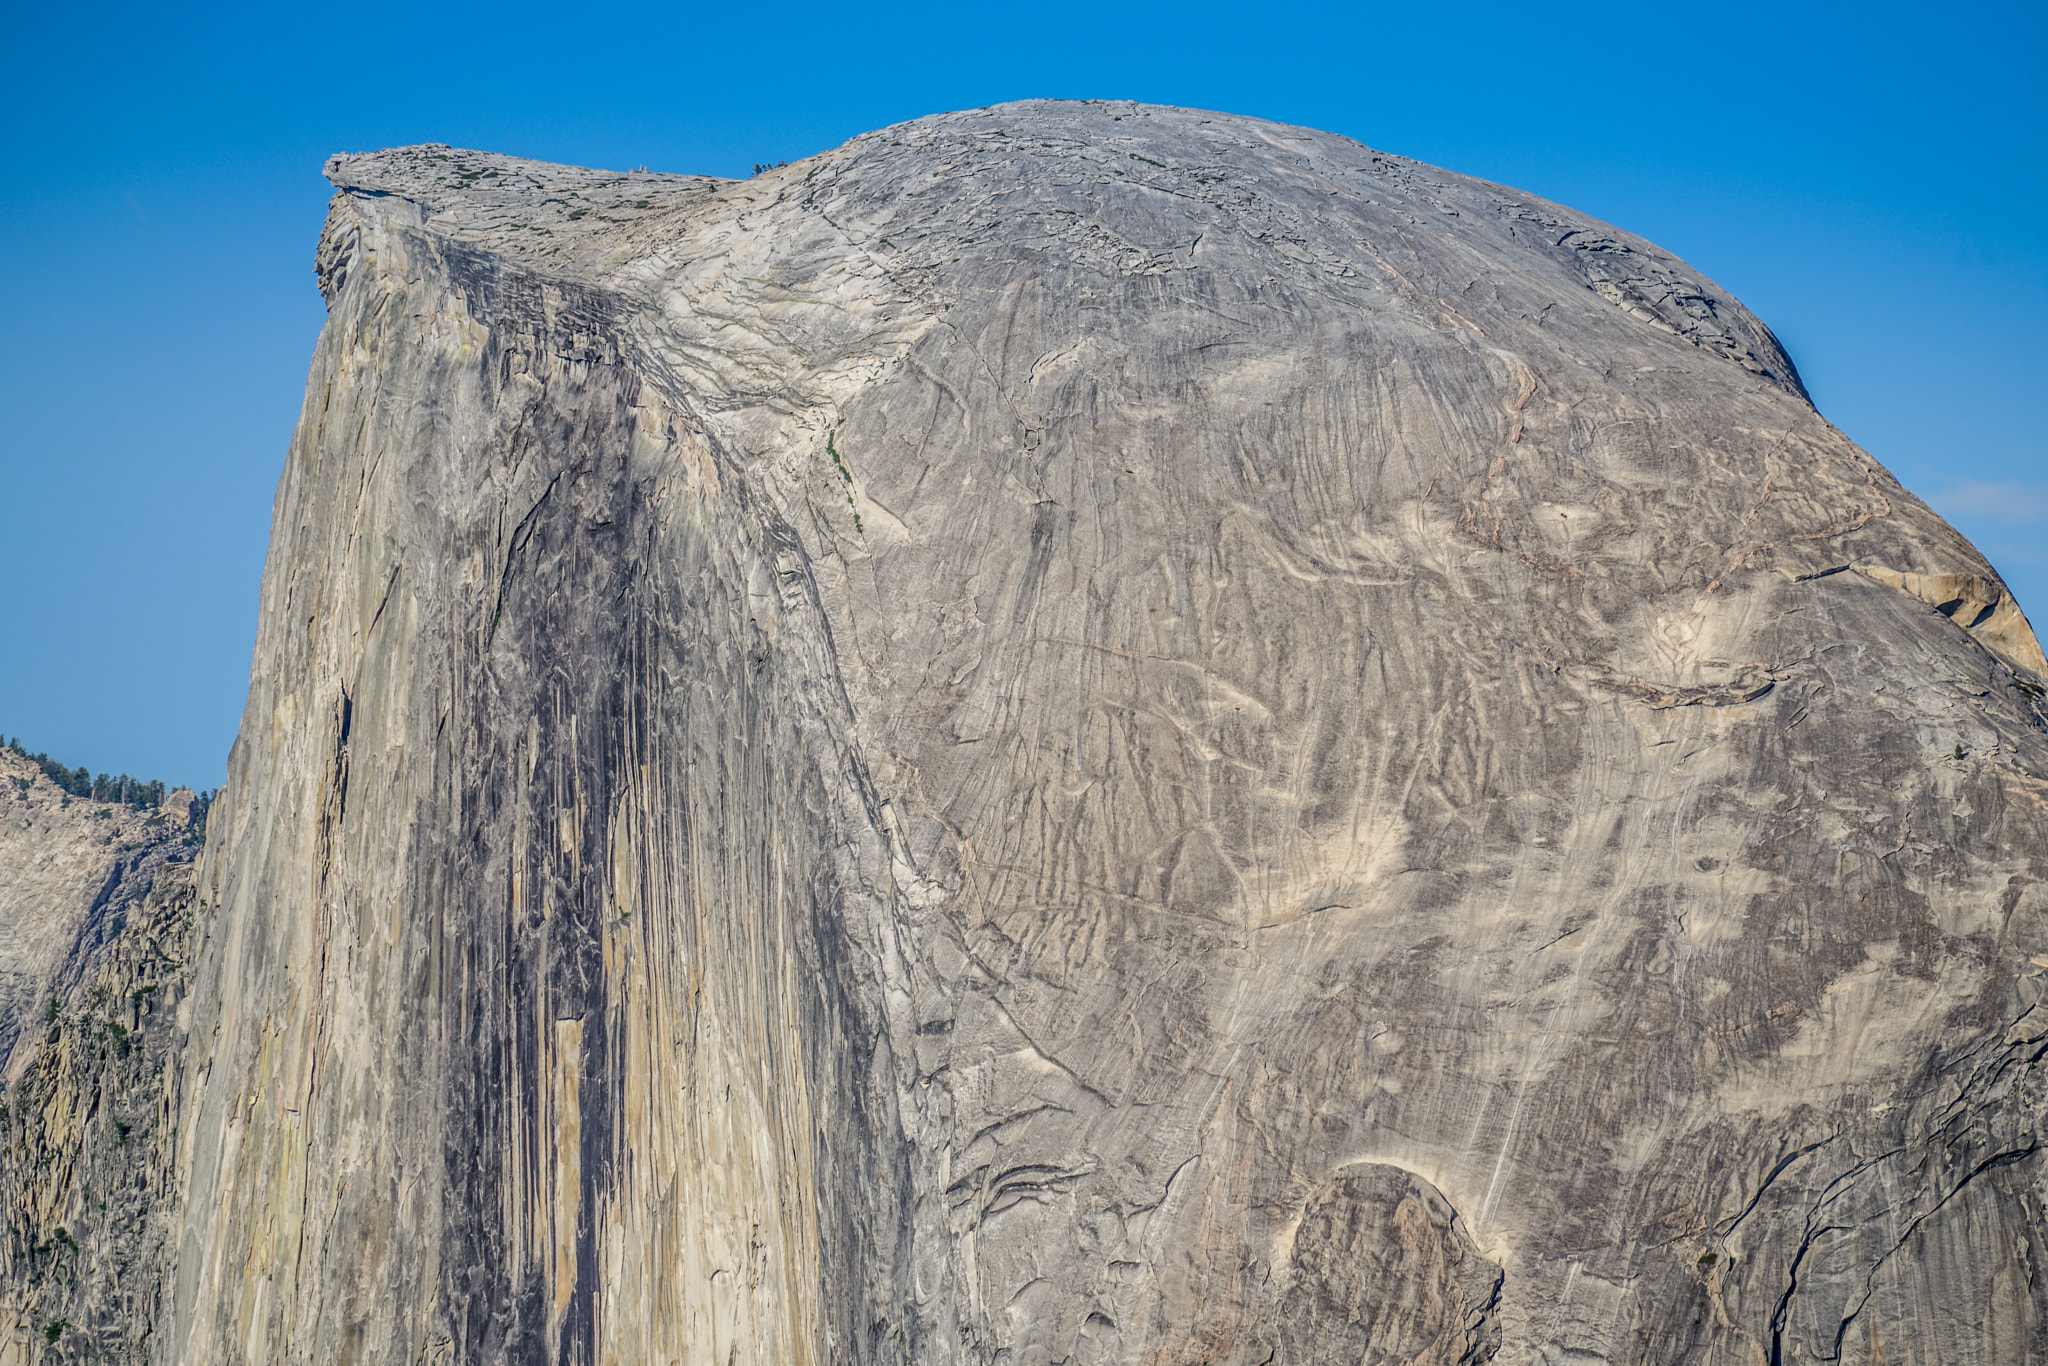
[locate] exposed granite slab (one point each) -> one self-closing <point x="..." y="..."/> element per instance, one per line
<point x="1091" y="733"/>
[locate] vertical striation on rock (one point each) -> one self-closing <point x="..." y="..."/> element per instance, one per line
<point x="1091" y="733"/>
<point x="87" y="1170"/>
<point x="95" y="900"/>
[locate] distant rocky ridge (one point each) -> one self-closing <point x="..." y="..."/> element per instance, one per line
<point x="72" y="869"/>
<point x="94" y="903"/>
<point x="1073" y="733"/>
<point x="87" y="1173"/>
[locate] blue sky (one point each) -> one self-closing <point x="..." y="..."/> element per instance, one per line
<point x="1868" y="178"/>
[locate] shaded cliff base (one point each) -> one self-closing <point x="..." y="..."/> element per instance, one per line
<point x="86" y="1169"/>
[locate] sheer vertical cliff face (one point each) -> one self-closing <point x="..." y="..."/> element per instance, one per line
<point x="1090" y="733"/>
<point x="540" y="1016"/>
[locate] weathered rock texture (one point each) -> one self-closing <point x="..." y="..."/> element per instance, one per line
<point x="72" y="873"/>
<point x="94" y="909"/>
<point x="1090" y="733"/>
<point x="87" y="1173"/>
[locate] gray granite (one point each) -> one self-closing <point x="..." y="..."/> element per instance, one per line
<point x="88" y="1149"/>
<point x="73" y="871"/>
<point x="1090" y="733"/>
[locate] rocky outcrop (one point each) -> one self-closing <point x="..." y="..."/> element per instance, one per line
<point x="72" y="873"/>
<point x="87" y="1171"/>
<point x="1090" y="733"/>
<point x="1979" y="605"/>
<point x="95" y="906"/>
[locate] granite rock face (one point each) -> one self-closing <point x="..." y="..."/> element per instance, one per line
<point x="73" y="872"/>
<point x="1089" y="733"/>
<point x="88" y="1168"/>
<point x="95" y="903"/>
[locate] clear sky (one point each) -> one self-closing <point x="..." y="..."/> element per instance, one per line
<point x="1868" y="178"/>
